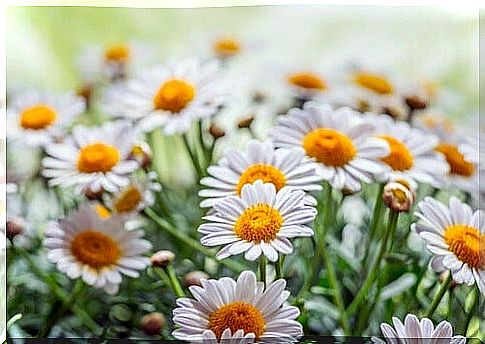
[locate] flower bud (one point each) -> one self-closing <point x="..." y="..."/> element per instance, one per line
<point x="258" y="97"/>
<point x="142" y="154"/>
<point x="194" y="277"/>
<point x="161" y="259"/>
<point x="153" y="323"/>
<point x="416" y="102"/>
<point x="399" y="195"/>
<point x="85" y="91"/>
<point x="14" y="227"/>
<point x="93" y="195"/>
<point x="216" y="131"/>
<point x="395" y="112"/>
<point x="245" y="122"/>
<point x="362" y="105"/>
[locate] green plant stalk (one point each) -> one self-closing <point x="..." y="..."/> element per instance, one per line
<point x="471" y="312"/>
<point x="170" y="229"/>
<point x="359" y="298"/>
<point x="193" y="157"/>
<point x="376" y="216"/>
<point x="207" y="154"/>
<point x="262" y="268"/>
<point x="58" y="291"/>
<point x="438" y="297"/>
<point x="279" y="267"/>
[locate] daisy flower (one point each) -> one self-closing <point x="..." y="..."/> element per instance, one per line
<point x="170" y="96"/>
<point x="94" y="158"/>
<point x="36" y="118"/>
<point x="241" y="311"/>
<point x="434" y="123"/>
<point x="456" y="236"/>
<point x="339" y="141"/>
<point x="306" y="84"/>
<point x="115" y="61"/>
<point x="260" y="221"/>
<point x="412" y="152"/>
<point x="413" y="331"/>
<point x="135" y="196"/>
<point x="225" y="47"/>
<point x="281" y="167"/>
<point x="96" y="249"/>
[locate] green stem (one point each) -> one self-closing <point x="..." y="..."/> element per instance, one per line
<point x="279" y="267"/>
<point x="439" y="295"/>
<point x="58" y="291"/>
<point x="180" y="235"/>
<point x="376" y="214"/>
<point x="359" y="298"/>
<point x="262" y="268"/>
<point x="171" y="276"/>
<point x="193" y="158"/>
<point x="471" y="312"/>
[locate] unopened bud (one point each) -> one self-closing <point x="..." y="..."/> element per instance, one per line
<point x="142" y="154"/>
<point x="14" y="227"/>
<point x="245" y="122"/>
<point x="399" y="195"/>
<point x="258" y="97"/>
<point x="93" y="195"/>
<point x="161" y="259"/>
<point x="348" y="192"/>
<point x="216" y="131"/>
<point x="153" y="323"/>
<point x="395" y="112"/>
<point x="194" y="277"/>
<point x="362" y="105"/>
<point x="85" y="91"/>
<point x="416" y="102"/>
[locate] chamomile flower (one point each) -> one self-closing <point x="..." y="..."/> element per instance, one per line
<point x="115" y="61"/>
<point x="413" y="330"/>
<point x="260" y="221"/>
<point x="456" y="236"/>
<point x="434" y="123"/>
<point x="36" y="118"/>
<point x="306" y="84"/>
<point x="241" y="311"/>
<point x="412" y="152"/>
<point x="94" y="158"/>
<point x="96" y="249"/>
<point x="171" y="96"/>
<point x="281" y="167"/>
<point x="339" y="141"/>
<point x="135" y="196"/>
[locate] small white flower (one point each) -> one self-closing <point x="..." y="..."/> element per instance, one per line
<point x="260" y="221"/>
<point x="339" y="141"/>
<point x="281" y="167"/>
<point x="98" y="250"/>
<point x="171" y="96"/>
<point x="36" y="118"/>
<point x="456" y="236"/>
<point x="413" y="331"/>
<point x="242" y="311"/>
<point x="412" y="155"/>
<point x="94" y="157"/>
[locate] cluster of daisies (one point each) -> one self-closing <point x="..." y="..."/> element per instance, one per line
<point x="340" y="136"/>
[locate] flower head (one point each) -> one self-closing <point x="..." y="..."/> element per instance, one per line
<point x="260" y="221"/>
<point x="243" y="311"/>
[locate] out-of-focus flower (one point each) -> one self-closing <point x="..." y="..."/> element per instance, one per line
<point x="306" y="84"/>
<point x="153" y="323"/>
<point x="399" y="195"/>
<point x="94" y="157"/>
<point x="116" y="61"/>
<point x="412" y="154"/>
<point x="281" y="167"/>
<point x="37" y="119"/>
<point x="14" y="226"/>
<point x="456" y="236"/>
<point x="195" y="278"/>
<point x="245" y="122"/>
<point x="414" y="330"/>
<point x="260" y="221"/>
<point x="135" y="196"/>
<point x="434" y="123"/>
<point x="246" y="313"/>
<point x="216" y="132"/>
<point x="141" y="153"/>
<point x="162" y="258"/>
<point x="171" y="96"/>
<point x="226" y="47"/>
<point x="98" y="250"/>
<point x="339" y="141"/>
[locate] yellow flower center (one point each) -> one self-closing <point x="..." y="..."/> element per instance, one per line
<point x="374" y="82"/>
<point x="96" y="249"/>
<point x="307" y="80"/>
<point x="433" y="122"/>
<point x="128" y="200"/>
<point x="467" y="243"/>
<point x="267" y="173"/>
<point x="260" y="222"/>
<point x="226" y="47"/>
<point x="456" y="160"/>
<point x="400" y="158"/>
<point x="97" y="157"/>
<point x="174" y="95"/>
<point x="117" y="53"/>
<point x="37" y="117"/>
<point x="236" y="316"/>
<point x="102" y="211"/>
<point x="329" y="146"/>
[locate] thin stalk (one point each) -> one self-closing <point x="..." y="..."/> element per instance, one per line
<point x="376" y="214"/>
<point x="471" y="312"/>
<point x="205" y="150"/>
<point x="279" y="267"/>
<point x="439" y="296"/>
<point x="262" y="268"/>
<point x="170" y="229"/>
<point x="359" y="298"/>
<point x="192" y="156"/>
